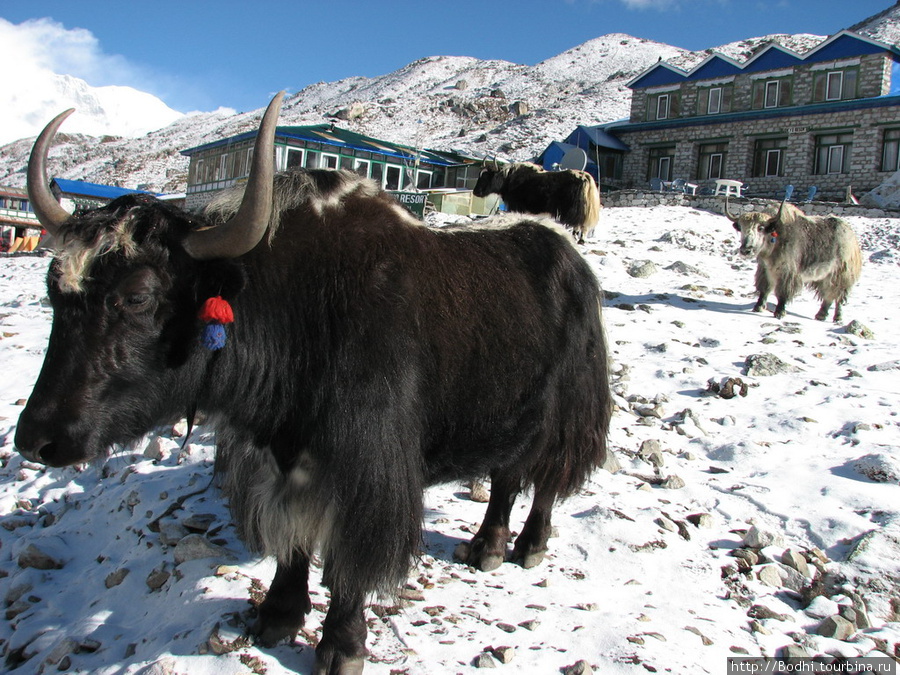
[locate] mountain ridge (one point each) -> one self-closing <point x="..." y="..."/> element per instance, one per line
<point x="482" y="107"/>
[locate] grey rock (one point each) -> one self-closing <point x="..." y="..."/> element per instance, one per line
<point x="479" y="493"/>
<point x="673" y="482"/>
<point x="769" y="575"/>
<point x="113" y="579"/>
<point x="195" y="547"/>
<point x="484" y="660"/>
<point x="666" y="524"/>
<point x="702" y="520"/>
<point x="170" y="533"/>
<point x="641" y="269"/>
<point x="858" y="329"/>
<point x="38" y="558"/>
<point x="757" y="538"/>
<point x="879" y="467"/>
<point x="746" y="558"/>
<point x="765" y="365"/>
<point x="504" y="654"/>
<point x="887" y="365"/>
<point x="157" y="578"/>
<point x="836" y="627"/>
<point x="683" y="268"/>
<point x="794" y="560"/>
<point x="763" y="612"/>
<point x="648" y="447"/>
<point x="62" y="649"/>
<point x="578" y="668"/>
<point x="794" y="652"/>
<point x="199" y="522"/>
<point x="611" y="462"/>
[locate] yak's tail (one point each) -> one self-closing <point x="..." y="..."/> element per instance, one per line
<point x="590" y="207"/>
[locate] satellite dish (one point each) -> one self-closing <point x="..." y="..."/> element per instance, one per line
<point x="575" y="158"/>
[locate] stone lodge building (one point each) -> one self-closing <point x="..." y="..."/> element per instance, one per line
<point x="828" y="118"/>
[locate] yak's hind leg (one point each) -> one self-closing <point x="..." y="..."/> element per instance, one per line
<point x="342" y="649"/>
<point x="282" y="613"/>
<point x="531" y="544"/>
<point x="487" y="550"/>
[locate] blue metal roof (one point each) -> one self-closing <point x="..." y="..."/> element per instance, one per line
<point x="597" y="136"/>
<point x="84" y="189"/>
<point x="771" y="57"/>
<point x="329" y="134"/>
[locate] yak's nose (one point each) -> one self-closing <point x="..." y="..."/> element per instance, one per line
<point x="30" y="441"/>
<point x="30" y="449"/>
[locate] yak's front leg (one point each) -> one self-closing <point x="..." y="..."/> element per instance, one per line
<point x="282" y="613"/>
<point x="763" y="287"/>
<point x="342" y="649"/>
<point x="531" y="544"/>
<point x="487" y="550"/>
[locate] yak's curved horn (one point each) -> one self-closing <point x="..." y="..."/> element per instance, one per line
<point x="244" y="231"/>
<point x="777" y="217"/>
<point x="48" y="211"/>
<point x="728" y="215"/>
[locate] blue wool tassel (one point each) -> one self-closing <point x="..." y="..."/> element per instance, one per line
<point x="213" y="337"/>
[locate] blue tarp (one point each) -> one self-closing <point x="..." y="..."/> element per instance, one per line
<point x="84" y="189"/>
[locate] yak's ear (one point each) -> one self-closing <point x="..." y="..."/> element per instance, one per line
<point x="734" y="224"/>
<point x="219" y="278"/>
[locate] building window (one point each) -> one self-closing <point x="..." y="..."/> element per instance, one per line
<point x="361" y="166"/>
<point x="768" y="157"/>
<point x="835" y="85"/>
<point x="890" y="155"/>
<point x="833" y="153"/>
<point x="771" y="98"/>
<point x="294" y="158"/>
<point x="714" y="100"/>
<point x="423" y="179"/>
<point x="661" y="161"/>
<point x="711" y="164"/>
<point x="663" y="106"/>
<point x="774" y="93"/>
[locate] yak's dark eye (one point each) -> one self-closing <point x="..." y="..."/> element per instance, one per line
<point x="137" y="300"/>
<point x="136" y="292"/>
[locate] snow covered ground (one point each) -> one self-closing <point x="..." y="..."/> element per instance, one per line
<point x="98" y="570"/>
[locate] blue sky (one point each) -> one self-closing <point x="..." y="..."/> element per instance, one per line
<point x="199" y="55"/>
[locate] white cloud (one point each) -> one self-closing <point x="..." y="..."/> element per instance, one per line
<point x="46" y="68"/>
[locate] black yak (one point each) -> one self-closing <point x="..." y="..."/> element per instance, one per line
<point x="569" y="196"/>
<point x="356" y="357"/>
<point x="793" y="249"/>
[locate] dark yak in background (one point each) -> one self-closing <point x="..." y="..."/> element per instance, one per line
<point x="793" y="250"/>
<point x="369" y="358"/>
<point x="569" y="196"/>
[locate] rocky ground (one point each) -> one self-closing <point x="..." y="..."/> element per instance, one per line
<point x="753" y="507"/>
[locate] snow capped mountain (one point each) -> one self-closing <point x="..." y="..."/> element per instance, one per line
<point x="100" y="111"/>
<point x="443" y="102"/>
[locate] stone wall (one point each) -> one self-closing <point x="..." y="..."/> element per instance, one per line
<point x="644" y="198"/>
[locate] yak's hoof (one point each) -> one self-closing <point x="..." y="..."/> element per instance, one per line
<point x="533" y="559"/>
<point x="475" y="554"/>
<point x="337" y="665"/>
<point x="529" y="559"/>
<point x="268" y="631"/>
<point x="758" y="309"/>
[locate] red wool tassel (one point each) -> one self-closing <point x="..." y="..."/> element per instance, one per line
<point x="216" y="310"/>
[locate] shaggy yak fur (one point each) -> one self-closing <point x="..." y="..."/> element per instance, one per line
<point x="569" y="196"/>
<point x="369" y="358"/>
<point x="793" y="249"/>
